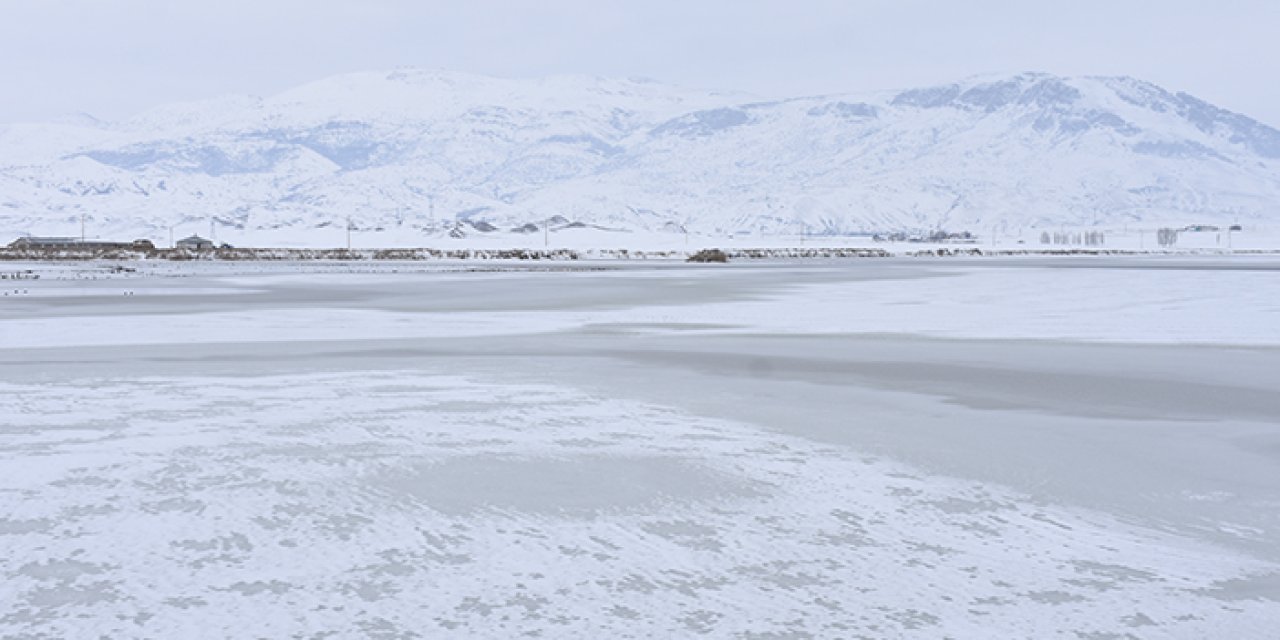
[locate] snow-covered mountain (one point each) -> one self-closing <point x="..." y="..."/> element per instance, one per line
<point x="415" y="153"/>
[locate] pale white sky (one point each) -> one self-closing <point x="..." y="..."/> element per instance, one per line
<point x="112" y="58"/>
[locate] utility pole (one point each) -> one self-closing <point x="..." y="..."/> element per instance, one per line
<point x="348" y="233"/>
<point x="82" y="227"/>
<point x="431" y="209"/>
<point x="170" y="236"/>
<point x="546" y="233"/>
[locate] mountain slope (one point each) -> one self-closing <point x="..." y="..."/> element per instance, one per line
<point x="414" y="153"/>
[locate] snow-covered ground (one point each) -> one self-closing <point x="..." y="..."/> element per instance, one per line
<point x="865" y="448"/>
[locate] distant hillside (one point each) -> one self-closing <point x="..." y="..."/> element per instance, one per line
<point x="422" y="154"/>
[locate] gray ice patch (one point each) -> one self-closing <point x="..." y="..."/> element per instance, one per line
<point x="1257" y="587"/>
<point x="584" y="486"/>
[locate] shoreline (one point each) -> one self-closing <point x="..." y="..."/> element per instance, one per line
<point x="429" y="254"/>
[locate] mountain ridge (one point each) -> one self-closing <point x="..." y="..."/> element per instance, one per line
<point x="416" y="153"/>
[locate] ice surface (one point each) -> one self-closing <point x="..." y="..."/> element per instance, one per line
<point x="646" y="452"/>
<point x="1163" y="302"/>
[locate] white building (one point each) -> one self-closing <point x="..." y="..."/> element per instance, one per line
<point x="195" y="243"/>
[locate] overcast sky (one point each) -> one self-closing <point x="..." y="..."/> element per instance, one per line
<point x="112" y="58"/>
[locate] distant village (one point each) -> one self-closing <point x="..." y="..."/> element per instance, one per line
<point x="195" y="247"/>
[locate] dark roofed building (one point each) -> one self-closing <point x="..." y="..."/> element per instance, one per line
<point x="36" y="242"/>
<point x="51" y="244"/>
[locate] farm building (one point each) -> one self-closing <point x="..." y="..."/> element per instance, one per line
<point x="195" y="243"/>
<point x="53" y="243"/>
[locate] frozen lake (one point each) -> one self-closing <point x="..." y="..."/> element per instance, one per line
<point x="1084" y="448"/>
